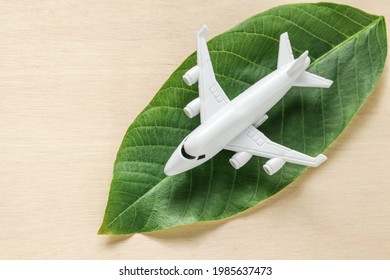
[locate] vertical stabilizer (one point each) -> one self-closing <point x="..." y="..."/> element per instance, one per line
<point x="285" y="52"/>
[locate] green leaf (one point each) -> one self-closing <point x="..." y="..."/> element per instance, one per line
<point x="345" y="44"/>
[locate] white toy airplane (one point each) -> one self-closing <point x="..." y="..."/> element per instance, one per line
<point x="232" y="124"/>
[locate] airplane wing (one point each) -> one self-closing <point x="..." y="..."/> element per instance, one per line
<point x="211" y="94"/>
<point x="256" y="143"/>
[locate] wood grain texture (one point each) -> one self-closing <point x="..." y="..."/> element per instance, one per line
<point x="75" y="74"/>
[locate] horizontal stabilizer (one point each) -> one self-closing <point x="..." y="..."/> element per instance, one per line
<point x="310" y="80"/>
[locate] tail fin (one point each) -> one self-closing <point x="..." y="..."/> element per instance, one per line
<point x="286" y="56"/>
<point x="285" y="52"/>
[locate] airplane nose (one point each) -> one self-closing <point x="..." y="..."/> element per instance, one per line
<point x="168" y="169"/>
<point x="174" y="164"/>
<point x="178" y="164"/>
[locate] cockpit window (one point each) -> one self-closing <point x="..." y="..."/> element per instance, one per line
<point x="201" y="157"/>
<point x="184" y="153"/>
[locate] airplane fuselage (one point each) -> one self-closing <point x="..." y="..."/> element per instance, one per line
<point x="246" y="109"/>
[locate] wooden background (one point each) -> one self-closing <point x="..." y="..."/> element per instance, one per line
<point x="75" y="74"/>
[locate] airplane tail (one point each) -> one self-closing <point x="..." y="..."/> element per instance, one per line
<point x="306" y="79"/>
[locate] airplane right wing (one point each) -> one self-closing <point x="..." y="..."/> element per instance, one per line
<point x="254" y="142"/>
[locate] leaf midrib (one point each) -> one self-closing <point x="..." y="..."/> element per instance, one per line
<point x="347" y="40"/>
<point x="136" y="201"/>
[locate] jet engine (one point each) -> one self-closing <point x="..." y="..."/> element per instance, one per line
<point x="273" y="165"/>
<point x="240" y="159"/>
<point x="193" y="108"/>
<point x="191" y="76"/>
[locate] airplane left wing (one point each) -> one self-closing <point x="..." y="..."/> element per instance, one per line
<point x="254" y="142"/>
<point x="211" y="94"/>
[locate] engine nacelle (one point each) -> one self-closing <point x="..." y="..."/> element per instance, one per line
<point x="273" y="165"/>
<point x="191" y="76"/>
<point x="240" y="159"/>
<point x="193" y="108"/>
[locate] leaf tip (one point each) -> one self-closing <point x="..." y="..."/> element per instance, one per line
<point x="103" y="230"/>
